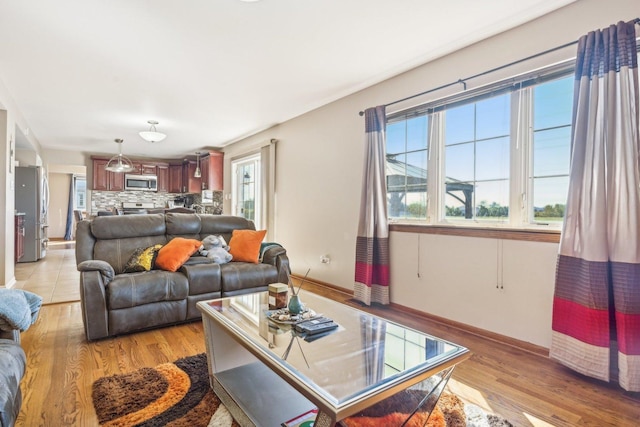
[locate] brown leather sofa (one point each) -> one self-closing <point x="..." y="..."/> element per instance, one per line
<point x="115" y="303"/>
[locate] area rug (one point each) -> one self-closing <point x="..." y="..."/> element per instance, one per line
<point x="178" y="395"/>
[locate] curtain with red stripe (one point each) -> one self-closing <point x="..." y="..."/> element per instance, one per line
<point x="596" y="307"/>
<point x="372" y="245"/>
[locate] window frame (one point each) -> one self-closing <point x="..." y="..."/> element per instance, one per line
<point x="521" y="155"/>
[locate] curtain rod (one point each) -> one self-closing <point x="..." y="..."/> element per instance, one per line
<point x="463" y="82"/>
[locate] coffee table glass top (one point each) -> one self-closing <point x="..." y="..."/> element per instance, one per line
<point x="364" y="355"/>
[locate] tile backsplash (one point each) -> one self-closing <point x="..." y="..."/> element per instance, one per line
<point x="108" y="200"/>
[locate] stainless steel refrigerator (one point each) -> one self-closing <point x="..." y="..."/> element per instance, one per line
<point x="32" y="193"/>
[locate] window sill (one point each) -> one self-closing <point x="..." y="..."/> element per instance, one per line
<point x="530" y="235"/>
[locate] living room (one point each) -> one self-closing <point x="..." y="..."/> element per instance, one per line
<point x="318" y="175"/>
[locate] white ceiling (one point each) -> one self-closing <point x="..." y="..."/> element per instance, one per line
<point x="84" y="72"/>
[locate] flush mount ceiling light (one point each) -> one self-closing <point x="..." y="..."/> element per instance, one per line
<point x="119" y="163"/>
<point x="152" y="135"/>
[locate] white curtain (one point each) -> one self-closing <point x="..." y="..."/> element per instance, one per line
<point x="596" y="307"/>
<point x="372" y="245"/>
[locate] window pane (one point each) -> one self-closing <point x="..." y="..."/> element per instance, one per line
<point x="406" y="168"/>
<point x="458" y="200"/>
<point x="417" y="167"/>
<point x="492" y="159"/>
<point x="417" y="133"/>
<point x="396" y="137"/>
<point x="553" y="103"/>
<point x="459" y="163"/>
<point x="549" y="198"/>
<point x="551" y="151"/>
<point x="416" y="204"/>
<point x="459" y="126"/>
<point x="492" y="200"/>
<point x="395" y="203"/>
<point x="492" y="117"/>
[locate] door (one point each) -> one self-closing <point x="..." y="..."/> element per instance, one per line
<point x="246" y="189"/>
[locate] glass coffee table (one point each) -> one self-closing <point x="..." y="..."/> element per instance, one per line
<point x="267" y="373"/>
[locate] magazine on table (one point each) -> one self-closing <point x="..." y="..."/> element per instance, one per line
<point x="303" y="420"/>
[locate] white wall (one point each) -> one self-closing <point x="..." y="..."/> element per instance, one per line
<point x="319" y="168"/>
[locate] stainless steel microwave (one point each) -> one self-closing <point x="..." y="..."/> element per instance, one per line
<point x="141" y="182"/>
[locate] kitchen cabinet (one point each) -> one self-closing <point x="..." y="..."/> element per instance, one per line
<point x="19" y="237"/>
<point x="190" y="183"/>
<point x="144" y="168"/>
<point x="104" y="180"/>
<point x="163" y="177"/>
<point x="211" y="166"/>
<point x="175" y="179"/>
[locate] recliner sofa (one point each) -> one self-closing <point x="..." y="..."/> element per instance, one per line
<point x="114" y="302"/>
<point x="13" y="364"/>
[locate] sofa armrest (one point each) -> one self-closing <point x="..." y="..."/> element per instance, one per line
<point x="93" y="301"/>
<point x="103" y="267"/>
<point x="276" y="255"/>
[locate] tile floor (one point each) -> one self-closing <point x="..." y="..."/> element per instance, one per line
<point x="55" y="278"/>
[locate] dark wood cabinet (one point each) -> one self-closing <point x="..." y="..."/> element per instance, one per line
<point x="211" y="166"/>
<point x="175" y="179"/>
<point x="172" y="177"/>
<point x="191" y="184"/>
<point x="163" y="177"/>
<point x="149" y="169"/>
<point x="103" y="180"/>
<point x="19" y="238"/>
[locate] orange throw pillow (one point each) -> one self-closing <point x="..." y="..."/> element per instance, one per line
<point x="176" y="252"/>
<point x="245" y="245"/>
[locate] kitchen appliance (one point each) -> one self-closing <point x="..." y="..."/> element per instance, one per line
<point x="32" y="198"/>
<point x="136" y="208"/>
<point x="186" y="201"/>
<point x="141" y="182"/>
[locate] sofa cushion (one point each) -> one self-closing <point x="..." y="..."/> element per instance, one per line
<point x="176" y="252"/>
<point x="203" y="278"/>
<point x="244" y="275"/>
<point x="245" y="245"/>
<point x="124" y="226"/>
<point x="12" y="368"/>
<point x="223" y="225"/>
<point x="133" y="289"/>
<point x="117" y="252"/>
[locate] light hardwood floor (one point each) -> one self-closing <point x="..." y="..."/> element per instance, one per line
<point x="526" y="388"/>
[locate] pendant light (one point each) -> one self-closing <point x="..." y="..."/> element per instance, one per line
<point x="197" y="173"/>
<point x="152" y="135"/>
<point x="119" y="163"/>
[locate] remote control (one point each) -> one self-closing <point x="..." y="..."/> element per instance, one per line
<point x="316" y="329"/>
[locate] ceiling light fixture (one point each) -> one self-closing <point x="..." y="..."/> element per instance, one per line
<point x="152" y="135"/>
<point x="197" y="173"/>
<point x="119" y="163"/>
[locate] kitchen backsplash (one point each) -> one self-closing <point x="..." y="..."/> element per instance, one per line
<point x="108" y="200"/>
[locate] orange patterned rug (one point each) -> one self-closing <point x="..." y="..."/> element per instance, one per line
<point x="172" y="394"/>
<point x="178" y="395"/>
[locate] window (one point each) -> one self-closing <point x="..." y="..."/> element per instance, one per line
<point x="246" y="188"/>
<point x="476" y="141"/>
<point x="80" y="193"/>
<point x="496" y="155"/>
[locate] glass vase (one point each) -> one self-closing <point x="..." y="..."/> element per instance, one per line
<point x="295" y="305"/>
